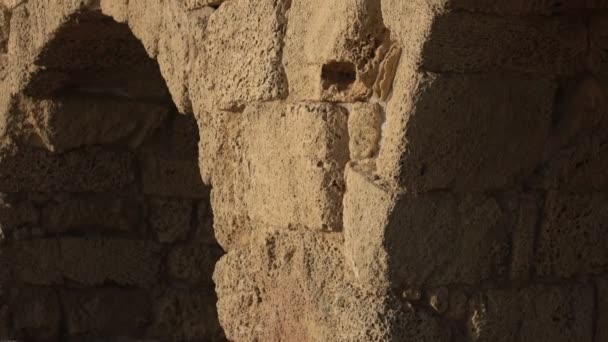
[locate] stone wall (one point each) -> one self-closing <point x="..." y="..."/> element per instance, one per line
<point x="380" y="170"/>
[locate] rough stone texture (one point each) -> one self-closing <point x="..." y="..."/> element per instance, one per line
<point x="539" y="313"/>
<point x="374" y="170"/>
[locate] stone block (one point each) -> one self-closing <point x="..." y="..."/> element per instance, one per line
<point x="172" y="178"/>
<point x="204" y="232"/>
<point x="92" y="169"/>
<point x="16" y="214"/>
<point x="601" y="324"/>
<point x="334" y="49"/>
<point x="170" y="218"/>
<point x="438" y="135"/>
<point x="451" y="238"/>
<point x="92" y="213"/>
<point x="294" y="156"/>
<point x="551" y="313"/>
<point x="193" y="263"/>
<point x="36" y="314"/>
<point x="571" y="239"/>
<point x="84" y="261"/>
<point x="105" y="312"/>
<point x="241" y="64"/>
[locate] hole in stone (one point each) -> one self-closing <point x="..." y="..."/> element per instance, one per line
<point x="339" y="75"/>
<point x="107" y="223"/>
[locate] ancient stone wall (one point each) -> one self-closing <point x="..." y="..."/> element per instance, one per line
<point x="379" y="170"/>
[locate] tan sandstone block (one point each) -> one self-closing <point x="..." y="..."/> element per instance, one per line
<point x="334" y="49"/>
<point x="571" y="240"/>
<point x="109" y="312"/>
<point x="453" y="239"/>
<point x="195" y="4"/>
<point x="557" y="313"/>
<point x="117" y="9"/>
<point x="241" y="63"/>
<point x="85" y="261"/>
<point x="294" y="157"/>
<point x="450" y="130"/>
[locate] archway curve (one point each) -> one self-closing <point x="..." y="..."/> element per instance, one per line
<point x="107" y="227"/>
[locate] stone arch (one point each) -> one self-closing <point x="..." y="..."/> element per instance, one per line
<point x="107" y="226"/>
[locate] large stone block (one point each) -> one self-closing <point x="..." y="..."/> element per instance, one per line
<point x="16" y="214"/>
<point x="572" y="240"/>
<point x="73" y="121"/>
<point x="542" y="313"/>
<point x="170" y="218"/>
<point x="470" y="132"/>
<point x="334" y="49"/>
<point x="36" y="314"/>
<point x="280" y="165"/>
<point x="450" y="238"/>
<point x="92" y="213"/>
<point x="241" y="63"/>
<point x="84" y="261"/>
<point x="92" y="169"/>
<point x="105" y="312"/>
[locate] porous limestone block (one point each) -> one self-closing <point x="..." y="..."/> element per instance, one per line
<point x="91" y="169"/>
<point x="572" y="240"/>
<point x="16" y="214"/>
<point x="186" y="316"/>
<point x="90" y="213"/>
<point x="299" y="275"/>
<point x="364" y="130"/>
<point x="601" y="325"/>
<point x="334" y="49"/>
<point x="74" y="121"/>
<point x="451" y="238"/>
<point x="84" y="261"/>
<point x="195" y="4"/>
<point x="277" y="164"/>
<point x="553" y="313"/>
<point x="241" y="63"/>
<point x="170" y="218"/>
<point x="193" y="263"/>
<point x="294" y="158"/>
<point x="36" y="313"/>
<point x="463" y="131"/>
<point x="105" y="311"/>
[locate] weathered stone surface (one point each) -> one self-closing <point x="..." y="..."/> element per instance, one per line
<point x="74" y="121"/>
<point x="36" y="314"/>
<point x="170" y="218"/>
<point x="333" y="49"/>
<point x="105" y="312"/>
<point x="91" y="169"/>
<point x="90" y="213"/>
<point x="182" y="315"/>
<point x="88" y="262"/>
<point x="16" y="214"/>
<point x="454" y="239"/>
<point x="5" y="17"/>
<point x="193" y="263"/>
<point x="242" y="64"/>
<point x="538" y="313"/>
<point x="571" y="239"/>
<point x="438" y="136"/>
<point x="519" y="7"/>
<point x="364" y="130"/>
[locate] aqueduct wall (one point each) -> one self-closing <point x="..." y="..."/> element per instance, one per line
<point x="373" y="170"/>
